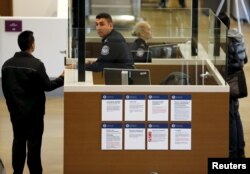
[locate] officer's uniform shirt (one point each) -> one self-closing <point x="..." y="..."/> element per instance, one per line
<point x="114" y="54"/>
<point x="140" y="51"/>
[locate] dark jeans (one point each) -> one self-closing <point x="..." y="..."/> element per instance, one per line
<point x="236" y="135"/>
<point x="27" y="132"/>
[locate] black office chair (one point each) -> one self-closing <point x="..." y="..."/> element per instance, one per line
<point x="177" y="78"/>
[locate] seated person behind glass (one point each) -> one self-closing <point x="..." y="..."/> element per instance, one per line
<point x="115" y="52"/>
<point x="139" y="49"/>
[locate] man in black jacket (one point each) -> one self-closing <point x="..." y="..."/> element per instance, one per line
<point x="24" y="82"/>
<point x="115" y="52"/>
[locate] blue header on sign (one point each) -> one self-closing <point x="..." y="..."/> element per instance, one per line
<point x="157" y="125"/>
<point x="134" y="125"/>
<point x="111" y="125"/>
<point x="181" y="97"/>
<point x="112" y="97"/>
<point x="181" y="126"/>
<point x="135" y="97"/>
<point x="157" y="97"/>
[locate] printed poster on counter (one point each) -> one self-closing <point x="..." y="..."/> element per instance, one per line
<point x="134" y="136"/>
<point x="111" y="136"/>
<point x="157" y="136"/>
<point x="181" y="107"/>
<point x="112" y="107"/>
<point x="158" y="107"/>
<point x="180" y="136"/>
<point x="135" y="108"/>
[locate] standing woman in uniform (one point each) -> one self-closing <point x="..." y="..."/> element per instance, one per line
<point x="139" y="49"/>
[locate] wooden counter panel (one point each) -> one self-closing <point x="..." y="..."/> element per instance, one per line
<point x="82" y="139"/>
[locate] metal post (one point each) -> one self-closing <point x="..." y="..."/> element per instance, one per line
<point x="78" y="15"/>
<point x="238" y="15"/>
<point x="194" y="40"/>
<point x="245" y="10"/>
<point x="220" y="7"/>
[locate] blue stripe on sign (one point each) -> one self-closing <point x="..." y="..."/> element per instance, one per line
<point x="157" y="97"/>
<point x="135" y="97"/>
<point x="181" y="126"/>
<point x="157" y="125"/>
<point x="111" y="125"/>
<point x="134" y="125"/>
<point x="111" y="97"/>
<point x="181" y="97"/>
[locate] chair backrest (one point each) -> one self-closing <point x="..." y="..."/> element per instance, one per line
<point x="177" y="78"/>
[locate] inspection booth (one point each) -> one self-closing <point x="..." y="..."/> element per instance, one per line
<point x="153" y="128"/>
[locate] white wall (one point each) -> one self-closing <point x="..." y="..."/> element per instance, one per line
<point x="51" y="33"/>
<point x="31" y="8"/>
<point x="50" y="38"/>
<point x="62" y="8"/>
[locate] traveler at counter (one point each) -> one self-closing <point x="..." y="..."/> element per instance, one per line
<point x="115" y="52"/>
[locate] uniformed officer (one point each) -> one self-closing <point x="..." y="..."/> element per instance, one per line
<point x="139" y="49"/>
<point x="115" y="52"/>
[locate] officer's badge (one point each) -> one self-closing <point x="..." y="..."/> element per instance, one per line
<point x="105" y="50"/>
<point x="142" y="45"/>
<point x="139" y="52"/>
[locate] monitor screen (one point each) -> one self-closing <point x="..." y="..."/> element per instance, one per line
<point x="165" y="51"/>
<point x="116" y="76"/>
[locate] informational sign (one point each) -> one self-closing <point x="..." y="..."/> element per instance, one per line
<point x="180" y="136"/>
<point x="112" y="108"/>
<point x="134" y="136"/>
<point x="158" y="107"/>
<point x="181" y="107"/>
<point x="135" y="108"/>
<point x="111" y="136"/>
<point x="13" y="25"/>
<point x="157" y="136"/>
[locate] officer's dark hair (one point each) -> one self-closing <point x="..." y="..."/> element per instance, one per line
<point x="105" y="16"/>
<point x="25" y="40"/>
<point x="225" y="19"/>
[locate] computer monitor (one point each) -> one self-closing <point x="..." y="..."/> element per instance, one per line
<point x="116" y="76"/>
<point x="165" y="51"/>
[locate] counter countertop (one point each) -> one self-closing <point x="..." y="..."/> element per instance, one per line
<point x="72" y="85"/>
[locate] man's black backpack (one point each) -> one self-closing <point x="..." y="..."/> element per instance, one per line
<point x="236" y="50"/>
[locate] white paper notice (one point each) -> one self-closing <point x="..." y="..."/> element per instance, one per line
<point x="111" y="107"/>
<point x="111" y="136"/>
<point x="180" y="137"/>
<point x="157" y="136"/>
<point x="135" y="108"/>
<point x="134" y="136"/>
<point x="158" y="107"/>
<point x="181" y="107"/>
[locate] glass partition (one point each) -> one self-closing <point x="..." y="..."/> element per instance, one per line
<point x="172" y="27"/>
